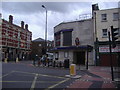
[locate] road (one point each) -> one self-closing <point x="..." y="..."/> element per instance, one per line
<point x="25" y="75"/>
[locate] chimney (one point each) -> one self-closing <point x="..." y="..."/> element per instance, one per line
<point x="26" y="26"/>
<point x="22" y="24"/>
<point x="10" y="19"/>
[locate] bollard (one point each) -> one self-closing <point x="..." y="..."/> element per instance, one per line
<point x="72" y="69"/>
<point x="54" y="63"/>
<point x="16" y="59"/>
<point x="73" y="72"/>
<point x="60" y="64"/>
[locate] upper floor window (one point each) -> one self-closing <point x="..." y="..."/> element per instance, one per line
<point x="57" y="39"/>
<point x="104" y="33"/>
<point x="67" y="38"/>
<point x="115" y="16"/>
<point x="40" y="45"/>
<point x="104" y="17"/>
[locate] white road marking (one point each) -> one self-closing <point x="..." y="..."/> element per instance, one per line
<point x="7" y="74"/>
<point x="34" y="81"/>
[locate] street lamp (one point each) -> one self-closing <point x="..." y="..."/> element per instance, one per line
<point x="45" y="29"/>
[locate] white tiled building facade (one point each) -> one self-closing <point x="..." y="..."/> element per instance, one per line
<point x="65" y="35"/>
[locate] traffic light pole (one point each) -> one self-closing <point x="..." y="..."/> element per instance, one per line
<point x="111" y="57"/>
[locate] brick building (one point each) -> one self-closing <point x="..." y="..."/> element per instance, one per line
<point x="15" y="41"/>
<point x="38" y="46"/>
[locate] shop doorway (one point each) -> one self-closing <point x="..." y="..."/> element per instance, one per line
<point x="79" y="58"/>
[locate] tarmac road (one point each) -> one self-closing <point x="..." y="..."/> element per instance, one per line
<point x="25" y="75"/>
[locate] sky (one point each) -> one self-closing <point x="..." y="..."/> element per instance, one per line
<point x="32" y="13"/>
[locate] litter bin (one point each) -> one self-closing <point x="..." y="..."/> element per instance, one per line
<point x="66" y="63"/>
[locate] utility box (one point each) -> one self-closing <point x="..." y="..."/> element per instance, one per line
<point x="72" y="69"/>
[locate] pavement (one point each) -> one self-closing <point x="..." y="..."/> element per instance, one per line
<point x="95" y="77"/>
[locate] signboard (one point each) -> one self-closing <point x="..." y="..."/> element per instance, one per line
<point x="106" y="49"/>
<point x="77" y="42"/>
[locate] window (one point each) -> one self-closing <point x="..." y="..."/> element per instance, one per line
<point x="115" y="16"/>
<point x="67" y="38"/>
<point x="39" y="45"/>
<point x="66" y="54"/>
<point x="104" y="31"/>
<point x="56" y="55"/>
<point x="57" y="39"/>
<point x="104" y="17"/>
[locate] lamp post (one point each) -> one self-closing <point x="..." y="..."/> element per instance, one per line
<point x="45" y="29"/>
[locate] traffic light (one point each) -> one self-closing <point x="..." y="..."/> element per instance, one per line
<point x="114" y="32"/>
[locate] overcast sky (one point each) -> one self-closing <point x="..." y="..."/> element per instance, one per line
<point x="34" y="15"/>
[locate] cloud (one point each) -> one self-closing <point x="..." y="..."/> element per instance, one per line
<point x="34" y="15"/>
<point x="32" y="7"/>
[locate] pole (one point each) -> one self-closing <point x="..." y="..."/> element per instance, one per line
<point x="46" y="34"/>
<point x="45" y="30"/>
<point x="87" y="59"/>
<point x="111" y="57"/>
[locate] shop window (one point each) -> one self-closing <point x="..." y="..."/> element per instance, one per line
<point x="56" y="56"/>
<point x="66" y="54"/>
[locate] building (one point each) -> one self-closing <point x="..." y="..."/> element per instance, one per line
<point x="38" y="47"/>
<point x="103" y="20"/>
<point x="15" y="41"/>
<point x="74" y="41"/>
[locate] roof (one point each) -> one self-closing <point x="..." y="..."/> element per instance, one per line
<point x="14" y="25"/>
<point x="38" y="40"/>
<point x="73" y="21"/>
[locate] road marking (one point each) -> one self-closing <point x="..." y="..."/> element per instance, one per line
<point x="51" y="76"/>
<point x="25" y="72"/>
<point x="30" y="81"/>
<point x="7" y="74"/>
<point x="40" y="74"/>
<point x="33" y="83"/>
<point x="57" y="84"/>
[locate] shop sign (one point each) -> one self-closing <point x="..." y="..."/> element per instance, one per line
<point x="106" y="49"/>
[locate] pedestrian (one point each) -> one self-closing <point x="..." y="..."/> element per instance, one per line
<point x="39" y="61"/>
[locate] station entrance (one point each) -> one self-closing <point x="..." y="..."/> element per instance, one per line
<point x="79" y="58"/>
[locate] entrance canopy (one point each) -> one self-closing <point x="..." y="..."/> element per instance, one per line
<point x="79" y="48"/>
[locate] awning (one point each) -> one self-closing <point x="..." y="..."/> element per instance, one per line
<point x="77" y="48"/>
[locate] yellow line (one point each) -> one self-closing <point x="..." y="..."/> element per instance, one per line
<point x="57" y="84"/>
<point x="40" y="74"/>
<point x="16" y="81"/>
<point x="30" y="81"/>
<point x="24" y="72"/>
<point x="7" y="74"/>
<point x="34" y="81"/>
